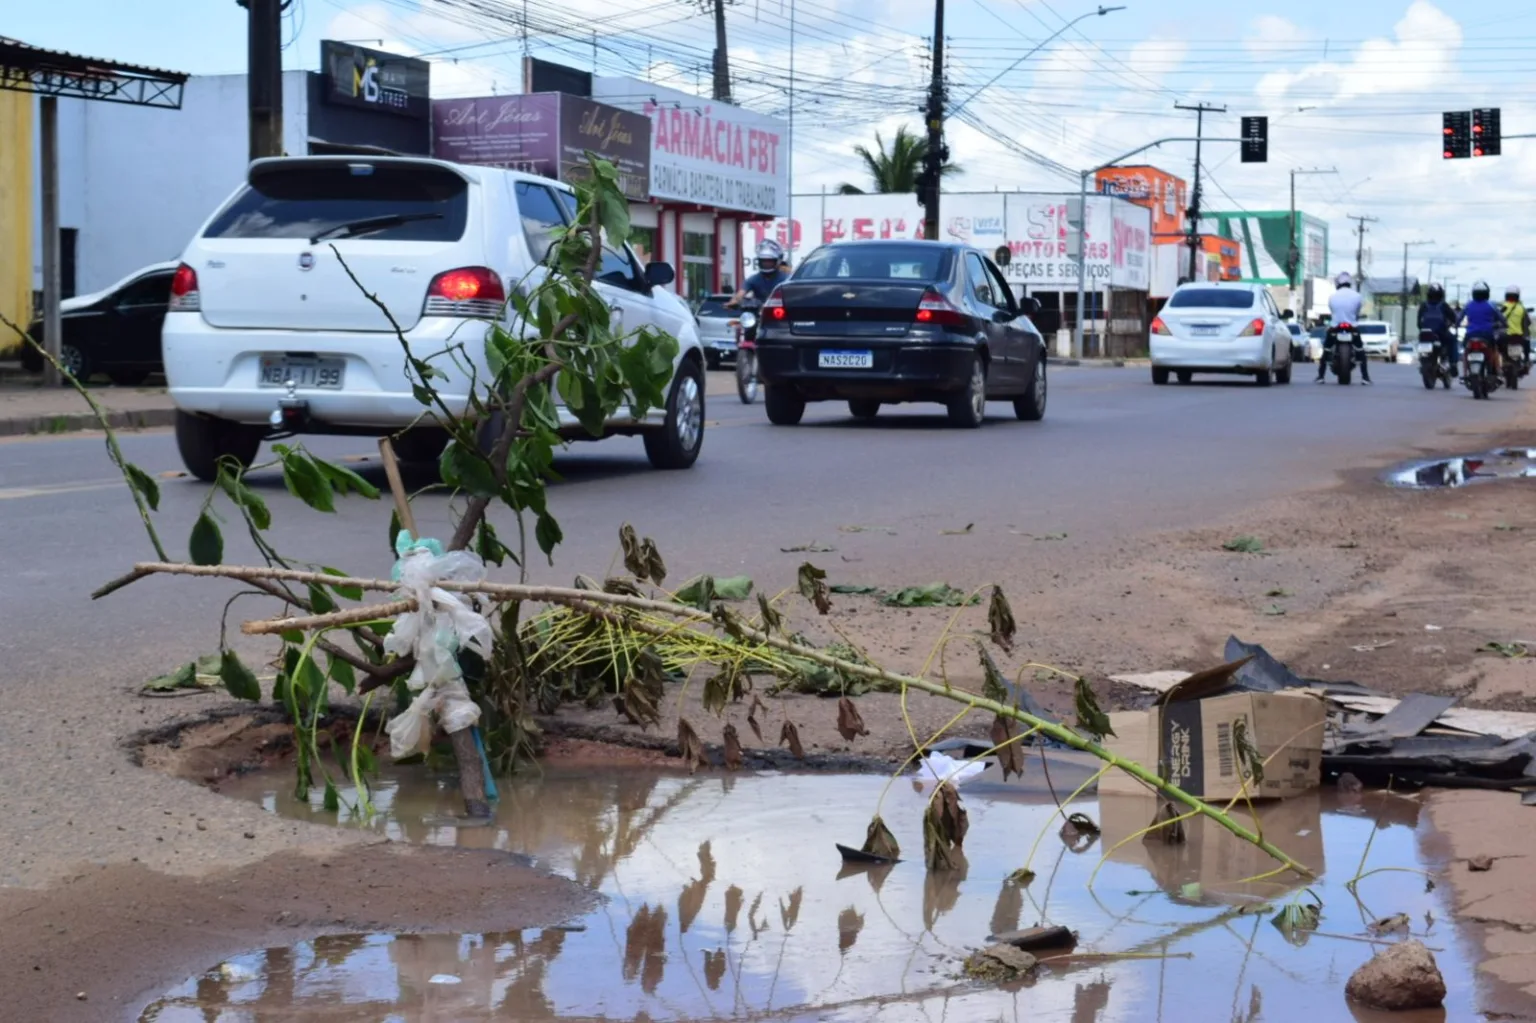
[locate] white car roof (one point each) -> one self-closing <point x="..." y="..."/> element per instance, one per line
<point x="469" y="172"/>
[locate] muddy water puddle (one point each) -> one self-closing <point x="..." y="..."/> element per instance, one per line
<point x="726" y="900"/>
<point x="1463" y="470"/>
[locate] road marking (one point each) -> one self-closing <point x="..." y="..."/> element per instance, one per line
<point x="49" y="490"/>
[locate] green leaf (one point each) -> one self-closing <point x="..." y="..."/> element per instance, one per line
<point x="244" y="497"/>
<point x="931" y="595"/>
<point x="365" y="760"/>
<point x="346" y="592"/>
<point x="145" y="484"/>
<point x="308" y="682"/>
<point x="320" y="600"/>
<point x="237" y="678"/>
<point x="345" y="481"/>
<point x="293" y="636"/>
<point x="342" y="674"/>
<point x="306" y="482"/>
<point x="854" y="589"/>
<point x="1193" y="891"/>
<point x="394" y="531"/>
<point x="546" y="532"/>
<point x="332" y="797"/>
<point x="1090" y="718"/>
<point x="184" y="677"/>
<point x="489" y="546"/>
<point x="1244" y="545"/>
<point x="206" y="543"/>
<point x="698" y="592"/>
<point x="468" y="471"/>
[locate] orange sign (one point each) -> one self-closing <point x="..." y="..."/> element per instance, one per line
<point x="1157" y="190"/>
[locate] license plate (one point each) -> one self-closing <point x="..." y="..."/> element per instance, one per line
<point x="723" y="346"/>
<point x="845" y="360"/>
<point x="321" y="374"/>
<point x="1426" y="349"/>
<point x="1474" y="360"/>
<point x="1204" y="331"/>
<point x="1347" y="338"/>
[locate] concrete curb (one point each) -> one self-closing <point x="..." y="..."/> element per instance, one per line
<point x="75" y="422"/>
<point x="1101" y="363"/>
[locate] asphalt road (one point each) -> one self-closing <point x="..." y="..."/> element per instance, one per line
<point x="1114" y="456"/>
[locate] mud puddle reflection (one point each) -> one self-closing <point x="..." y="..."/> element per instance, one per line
<point x="1506" y="463"/>
<point x="726" y="900"/>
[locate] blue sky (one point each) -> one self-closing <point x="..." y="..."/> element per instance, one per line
<point x="1352" y="85"/>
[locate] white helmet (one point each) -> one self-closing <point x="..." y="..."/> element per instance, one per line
<point x="1343" y="280"/>
<point x="1513" y="291"/>
<point x="770" y="255"/>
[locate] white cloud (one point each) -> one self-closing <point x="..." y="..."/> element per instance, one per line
<point x="1402" y="64"/>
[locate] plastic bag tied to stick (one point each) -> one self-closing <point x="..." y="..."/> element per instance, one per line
<point x="442" y="624"/>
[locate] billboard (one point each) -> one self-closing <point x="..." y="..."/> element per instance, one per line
<point x="1266" y="243"/>
<point x="1156" y="189"/>
<point x="374" y="80"/>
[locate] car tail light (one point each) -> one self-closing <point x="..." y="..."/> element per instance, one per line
<point x="1159" y="327"/>
<point x="470" y="291"/>
<point x="774" y="307"/>
<point x="939" y="311"/>
<point x="185" y="298"/>
<point x="1254" y="329"/>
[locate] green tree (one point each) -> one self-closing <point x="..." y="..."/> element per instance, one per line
<point x="895" y="169"/>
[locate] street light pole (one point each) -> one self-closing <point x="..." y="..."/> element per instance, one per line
<point x="1403" y="330"/>
<point x="1293" y="258"/>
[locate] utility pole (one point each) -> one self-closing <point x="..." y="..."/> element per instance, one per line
<point x="722" y="67"/>
<point x="1360" y="223"/>
<point x="1403" y="330"/>
<point x="1293" y="257"/>
<point x="1200" y="110"/>
<point x="933" y="160"/>
<point x="264" y="75"/>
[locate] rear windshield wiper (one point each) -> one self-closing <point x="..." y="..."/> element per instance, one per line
<point x="368" y="225"/>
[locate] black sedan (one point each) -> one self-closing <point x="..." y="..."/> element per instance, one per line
<point x="884" y="322"/>
<point x="115" y="332"/>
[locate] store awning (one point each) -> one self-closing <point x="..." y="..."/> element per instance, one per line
<point x="27" y="68"/>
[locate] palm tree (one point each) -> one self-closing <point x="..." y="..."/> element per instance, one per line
<point x="895" y="169"/>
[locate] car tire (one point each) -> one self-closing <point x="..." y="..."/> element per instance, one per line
<point x="75" y="363"/>
<point x="863" y="408"/>
<point x="128" y="377"/>
<point x="1263" y="378"/>
<point x="1030" y="406"/>
<point x="1283" y="376"/>
<point x="1159" y="375"/>
<point x="203" y="441"/>
<point x="785" y="407"/>
<point x="968" y="410"/>
<point x="678" y="443"/>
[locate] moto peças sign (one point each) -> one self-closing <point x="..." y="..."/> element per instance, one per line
<point x="374" y="80"/>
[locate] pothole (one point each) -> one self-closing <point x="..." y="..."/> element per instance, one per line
<point x="1464" y="470"/>
<point x="725" y="899"/>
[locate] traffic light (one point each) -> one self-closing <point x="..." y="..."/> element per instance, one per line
<point x="1486" y="138"/>
<point x="1255" y="140"/>
<point x="1457" y="130"/>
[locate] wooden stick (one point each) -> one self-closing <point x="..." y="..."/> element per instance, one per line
<point x="397" y="487"/>
<point x="335" y="619"/>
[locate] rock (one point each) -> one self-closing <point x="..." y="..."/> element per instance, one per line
<point x="1000" y="963"/>
<point x="1478" y="864"/>
<point x="1036" y="937"/>
<point x="1402" y="977"/>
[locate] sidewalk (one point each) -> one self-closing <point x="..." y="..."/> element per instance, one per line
<point x="26" y="407"/>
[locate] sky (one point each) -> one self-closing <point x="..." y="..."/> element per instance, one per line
<point x="1357" y="88"/>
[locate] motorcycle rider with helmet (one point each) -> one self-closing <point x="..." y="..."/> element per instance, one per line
<point x="771" y="272"/>
<point x="1517" y="319"/>
<point x="1436" y="315"/>
<point x="1483" y="321"/>
<point x="1343" y="307"/>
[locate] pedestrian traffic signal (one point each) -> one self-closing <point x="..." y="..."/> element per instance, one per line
<point x="1457" y="130"/>
<point x="1486" y="138"/>
<point x="1255" y="140"/>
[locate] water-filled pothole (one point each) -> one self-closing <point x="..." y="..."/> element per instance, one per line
<point x="727" y="900"/>
<point x="1505" y="463"/>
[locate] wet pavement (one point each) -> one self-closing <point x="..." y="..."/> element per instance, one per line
<point x="1463" y="470"/>
<point x="725" y="899"/>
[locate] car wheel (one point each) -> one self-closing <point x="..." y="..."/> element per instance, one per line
<point x="677" y="444"/>
<point x="128" y="377"/>
<point x="1159" y="375"/>
<point x="968" y="409"/>
<point x="203" y="441"/>
<point x="1283" y="376"/>
<point x="1185" y="376"/>
<point x="1263" y="378"/>
<point x="75" y="364"/>
<point x="1030" y="406"/>
<point x="863" y="408"/>
<point x="785" y="407"/>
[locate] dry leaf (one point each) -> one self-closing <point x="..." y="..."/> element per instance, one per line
<point x="721" y="688"/>
<point x="944" y="826"/>
<point x="1000" y="620"/>
<point x="849" y="923"/>
<point x="1090" y="718"/>
<point x="752" y="722"/>
<point x="849" y="724"/>
<point x="1166" y="825"/>
<point x="789" y="915"/>
<point x="714" y="968"/>
<point x="733" y="900"/>
<point x="994" y="686"/>
<point x="958" y="532"/>
<point x="813" y="587"/>
<point x="733" y="758"/>
<point x="1391" y="924"/>
<point x="791" y="735"/>
<point x="621" y="586"/>
<point x="1010" y="905"/>
<point x="1079" y="833"/>
<point x="773" y="621"/>
<point x="641" y="699"/>
<point x="1010" y="756"/>
<point x="692" y="750"/>
<point x="655" y="568"/>
<point x="879" y="841"/>
<point x="631" y="547"/>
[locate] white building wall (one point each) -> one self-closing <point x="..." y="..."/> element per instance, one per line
<point x="138" y="182"/>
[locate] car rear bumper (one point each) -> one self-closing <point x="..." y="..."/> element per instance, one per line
<point x="913" y="371"/>
<point x="1245" y="355"/>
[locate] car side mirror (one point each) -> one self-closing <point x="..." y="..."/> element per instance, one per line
<point x="1029" y="307"/>
<point x="1002" y="316"/>
<point x="659" y="275"/>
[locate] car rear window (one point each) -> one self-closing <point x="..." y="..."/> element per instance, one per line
<point x="714" y="308"/>
<point x="1373" y="328"/>
<point x="1294" y="329"/>
<point x="876" y="262"/>
<point x="306" y="200"/>
<point x="1212" y="298"/>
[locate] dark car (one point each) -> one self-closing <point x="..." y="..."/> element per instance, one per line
<point x="115" y="332"/>
<point x="884" y="322"/>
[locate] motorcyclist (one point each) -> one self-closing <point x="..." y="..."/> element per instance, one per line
<point x="1483" y="321"/>
<point x="1436" y="315"/>
<point x="1517" y="319"/>
<point x="1343" y="307"/>
<point x="771" y="272"/>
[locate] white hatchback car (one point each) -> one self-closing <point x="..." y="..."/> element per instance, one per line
<point x="1379" y="339"/>
<point x="1220" y="327"/>
<point x="267" y="335"/>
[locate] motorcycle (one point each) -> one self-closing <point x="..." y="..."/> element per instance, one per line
<point x="1512" y="354"/>
<point x="746" y="356"/>
<point x="1347" y="349"/>
<point x="1481" y="380"/>
<point x="1433" y="366"/>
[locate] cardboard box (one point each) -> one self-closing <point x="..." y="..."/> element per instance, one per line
<point x="1193" y="742"/>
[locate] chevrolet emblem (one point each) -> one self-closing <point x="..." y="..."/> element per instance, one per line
<point x="849" y="294"/>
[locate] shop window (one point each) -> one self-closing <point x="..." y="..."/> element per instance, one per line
<point x="698" y="264"/>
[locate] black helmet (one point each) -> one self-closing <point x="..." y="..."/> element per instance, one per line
<point x="1480" y="291"/>
<point x="1436" y="293"/>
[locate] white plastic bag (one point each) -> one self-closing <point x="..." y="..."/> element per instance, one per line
<point x="442" y="624"/>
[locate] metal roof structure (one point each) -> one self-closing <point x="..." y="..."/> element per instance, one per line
<point x="27" y="68"/>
